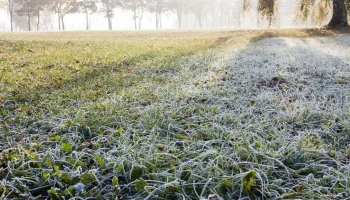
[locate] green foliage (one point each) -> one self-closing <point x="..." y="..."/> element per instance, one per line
<point x="66" y="147"/>
<point x="120" y="130"/>
<point x="137" y="172"/>
<point x="248" y="180"/>
<point x="100" y="160"/>
<point x="53" y="194"/>
<point x="118" y="169"/>
<point x="2" y="189"/>
<point x="140" y="184"/>
<point x="115" y="182"/>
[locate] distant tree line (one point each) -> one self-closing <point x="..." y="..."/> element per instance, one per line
<point x="219" y="13"/>
<point x="32" y="9"/>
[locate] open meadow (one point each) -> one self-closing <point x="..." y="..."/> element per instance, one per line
<point x="175" y="115"/>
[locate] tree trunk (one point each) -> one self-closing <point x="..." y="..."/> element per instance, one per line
<point x="10" y="7"/>
<point x="214" y="17"/>
<point x="11" y="19"/>
<point x="157" y="20"/>
<point x="38" y="22"/>
<point x="59" y="22"/>
<point x="140" y="19"/>
<point x="29" y="22"/>
<point x="135" y="15"/>
<point x="87" y="18"/>
<point x="221" y="16"/>
<point x="135" y="19"/>
<point x="206" y="20"/>
<point x="199" y="18"/>
<point x="160" y="20"/>
<point x="179" y="18"/>
<point x="339" y="18"/>
<point x="59" y="16"/>
<point x="110" y="26"/>
<point x="62" y="21"/>
<point x="214" y="11"/>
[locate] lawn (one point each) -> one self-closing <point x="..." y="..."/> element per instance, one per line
<point x="175" y="115"/>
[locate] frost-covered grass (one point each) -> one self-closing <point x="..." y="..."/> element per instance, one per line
<point x="175" y="115"/>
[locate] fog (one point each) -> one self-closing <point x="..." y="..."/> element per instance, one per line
<point x="123" y="19"/>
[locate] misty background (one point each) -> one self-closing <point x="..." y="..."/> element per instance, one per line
<point x="214" y="14"/>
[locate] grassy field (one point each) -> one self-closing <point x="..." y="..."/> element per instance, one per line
<point x="169" y="115"/>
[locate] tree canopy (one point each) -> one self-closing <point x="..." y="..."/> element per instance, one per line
<point x="317" y="10"/>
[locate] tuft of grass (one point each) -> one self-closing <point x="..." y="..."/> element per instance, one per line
<point x="174" y="115"/>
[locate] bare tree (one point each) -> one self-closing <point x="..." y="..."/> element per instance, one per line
<point x="88" y="7"/>
<point x="63" y="8"/>
<point x="39" y="5"/>
<point x="339" y="8"/>
<point x="179" y="7"/>
<point x="137" y="7"/>
<point x="199" y="10"/>
<point x="107" y="8"/>
<point x="158" y="7"/>
<point x="10" y="8"/>
<point x="26" y="8"/>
